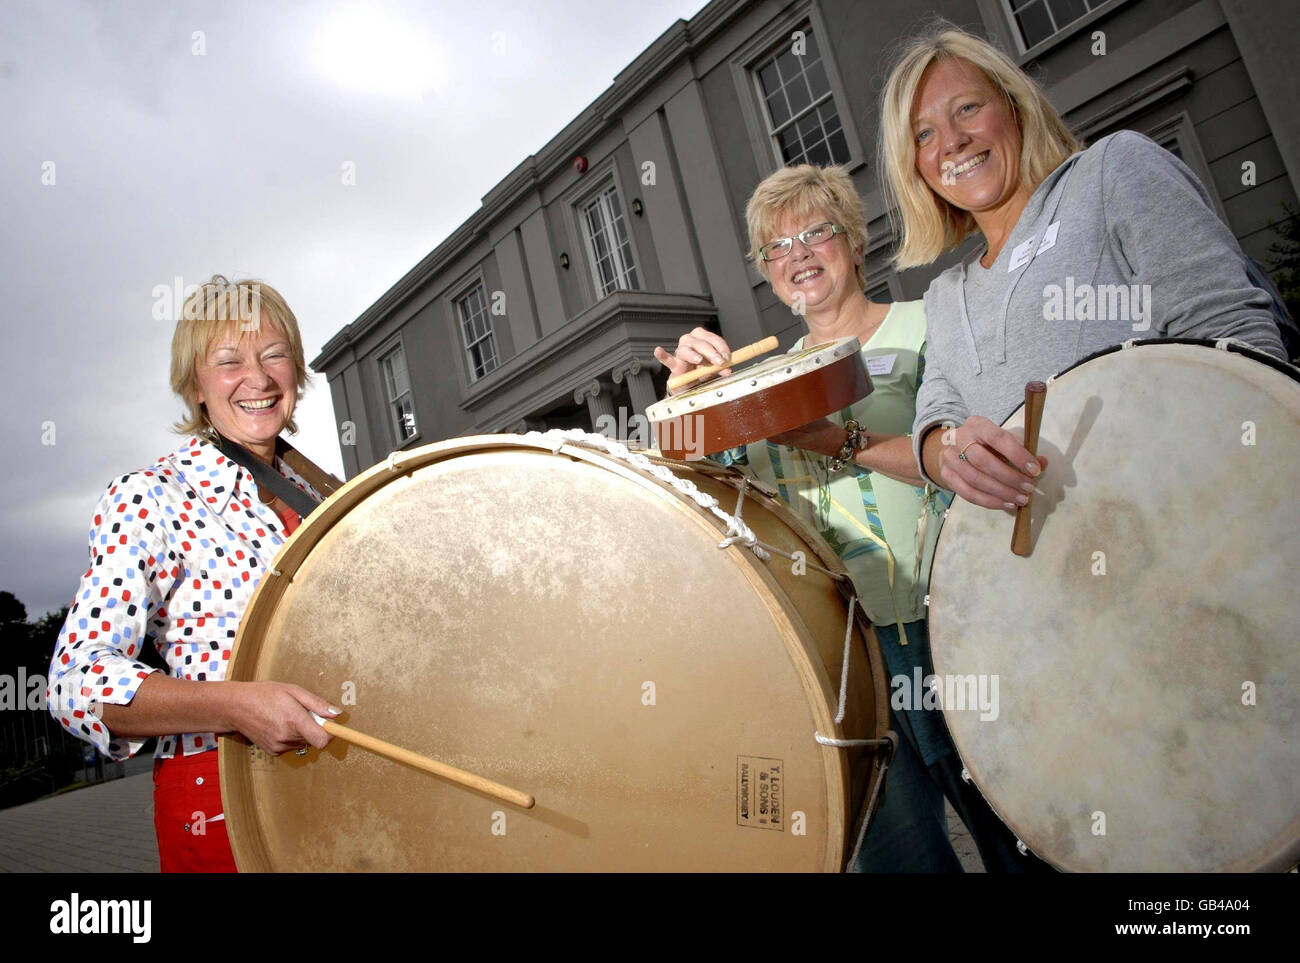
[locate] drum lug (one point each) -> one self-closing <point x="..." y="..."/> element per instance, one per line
<point x="1021" y="848"/>
<point x="848" y="591"/>
<point x="926" y="601"/>
<point x="759" y="486"/>
<point x="965" y="774"/>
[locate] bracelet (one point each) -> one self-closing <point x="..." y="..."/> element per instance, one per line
<point x="856" y="441"/>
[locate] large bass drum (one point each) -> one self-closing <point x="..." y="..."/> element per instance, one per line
<point x="561" y="621"/>
<point x="1143" y="658"/>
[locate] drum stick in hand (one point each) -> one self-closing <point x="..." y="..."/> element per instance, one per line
<point x="1035" y="393"/>
<point x="398" y="754"/>
<point x="739" y="356"/>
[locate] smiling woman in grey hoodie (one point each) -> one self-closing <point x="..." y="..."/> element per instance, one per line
<point x="1083" y="249"/>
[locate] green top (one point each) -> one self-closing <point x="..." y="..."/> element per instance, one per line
<point x="884" y="530"/>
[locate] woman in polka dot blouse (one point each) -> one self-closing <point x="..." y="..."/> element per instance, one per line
<point x="175" y="553"/>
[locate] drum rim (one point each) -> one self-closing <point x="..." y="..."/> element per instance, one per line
<point x="1228" y="344"/>
<point x="1271" y="858"/>
<point x="250" y="848"/>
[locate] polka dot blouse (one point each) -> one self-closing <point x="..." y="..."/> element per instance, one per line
<point x="176" y="551"/>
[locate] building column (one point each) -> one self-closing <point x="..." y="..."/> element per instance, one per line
<point x="704" y="184"/>
<point x="599" y="396"/>
<point x="640" y="384"/>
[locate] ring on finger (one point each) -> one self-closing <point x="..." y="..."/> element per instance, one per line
<point x="961" y="456"/>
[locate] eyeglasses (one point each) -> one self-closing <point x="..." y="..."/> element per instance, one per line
<point x="817" y="234"/>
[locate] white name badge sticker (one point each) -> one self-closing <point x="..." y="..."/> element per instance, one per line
<point x="1022" y="254"/>
<point x="881" y="364"/>
<point x="1049" y="237"/>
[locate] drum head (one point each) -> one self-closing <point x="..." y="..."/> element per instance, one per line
<point x="562" y="624"/>
<point x="1143" y="658"/>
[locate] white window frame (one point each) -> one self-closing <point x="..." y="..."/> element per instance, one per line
<point x="744" y="69"/>
<point x="773" y="129"/>
<point x="623" y="262"/>
<point x="1005" y="23"/>
<point x="489" y="333"/>
<point x="393" y="399"/>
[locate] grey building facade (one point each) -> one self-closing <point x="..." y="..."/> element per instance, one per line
<point x="627" y="228"/>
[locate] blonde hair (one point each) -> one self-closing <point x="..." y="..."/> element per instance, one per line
<point x="926" y="223"/>
<point x="811" y="190"/>
<point x="220" y="307"/>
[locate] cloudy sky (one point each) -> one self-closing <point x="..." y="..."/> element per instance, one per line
<point x="149" y="140"/>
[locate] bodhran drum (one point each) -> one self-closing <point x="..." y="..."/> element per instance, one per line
<point x="562" y="622"/>
<point x="1142" y="660"/>
<point x="764" y="399"/>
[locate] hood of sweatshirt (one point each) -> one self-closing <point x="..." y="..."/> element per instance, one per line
<point x="1029" y="234"/>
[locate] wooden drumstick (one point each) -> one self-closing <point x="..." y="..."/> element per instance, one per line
<point x="397" y="754"/>
<point x="1035" y="393"/>
<point x="747" y="353"/>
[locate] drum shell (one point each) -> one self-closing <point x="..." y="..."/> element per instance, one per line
<point x="264" y="796"/>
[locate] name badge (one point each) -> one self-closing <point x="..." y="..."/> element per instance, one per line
<point x="1022" y="254"/>
<point x="881" y="364"/>
<point x="1049" y="237"/>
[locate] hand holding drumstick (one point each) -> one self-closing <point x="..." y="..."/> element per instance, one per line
<point x="695" y="349"/>
<point x="702" y="354"/>
<point x="1035" y="393"/>
<point x="998" y="471"/>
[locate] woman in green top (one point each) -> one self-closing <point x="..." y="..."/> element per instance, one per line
<point x="807" y="232"/>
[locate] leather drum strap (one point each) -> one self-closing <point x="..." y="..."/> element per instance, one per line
<point x="268" y="479"/>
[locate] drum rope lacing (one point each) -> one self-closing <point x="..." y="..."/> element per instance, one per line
<point x="740" y="505"/>
<point x="737" y="530"/>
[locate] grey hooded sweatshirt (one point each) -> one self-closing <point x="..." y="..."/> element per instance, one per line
<point x="1118" y="242"/>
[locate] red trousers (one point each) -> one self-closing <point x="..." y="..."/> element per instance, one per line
<point x="187" y="815"/>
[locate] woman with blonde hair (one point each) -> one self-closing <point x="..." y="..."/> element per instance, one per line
<point x="852" y="476"/>
<point x="176" y="551"/>
<point x="970" y="144"/>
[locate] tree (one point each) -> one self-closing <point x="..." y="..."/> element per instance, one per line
<point x="11" y="610"/>
<point x="1286" y="259"/>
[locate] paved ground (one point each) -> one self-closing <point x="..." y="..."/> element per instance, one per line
<point x="50" y="835"/>
<point x="962" y="842"/>
<point x="54" y="835"/>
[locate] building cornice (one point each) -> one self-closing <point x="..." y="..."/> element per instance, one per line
<point x="678" y="41"/>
